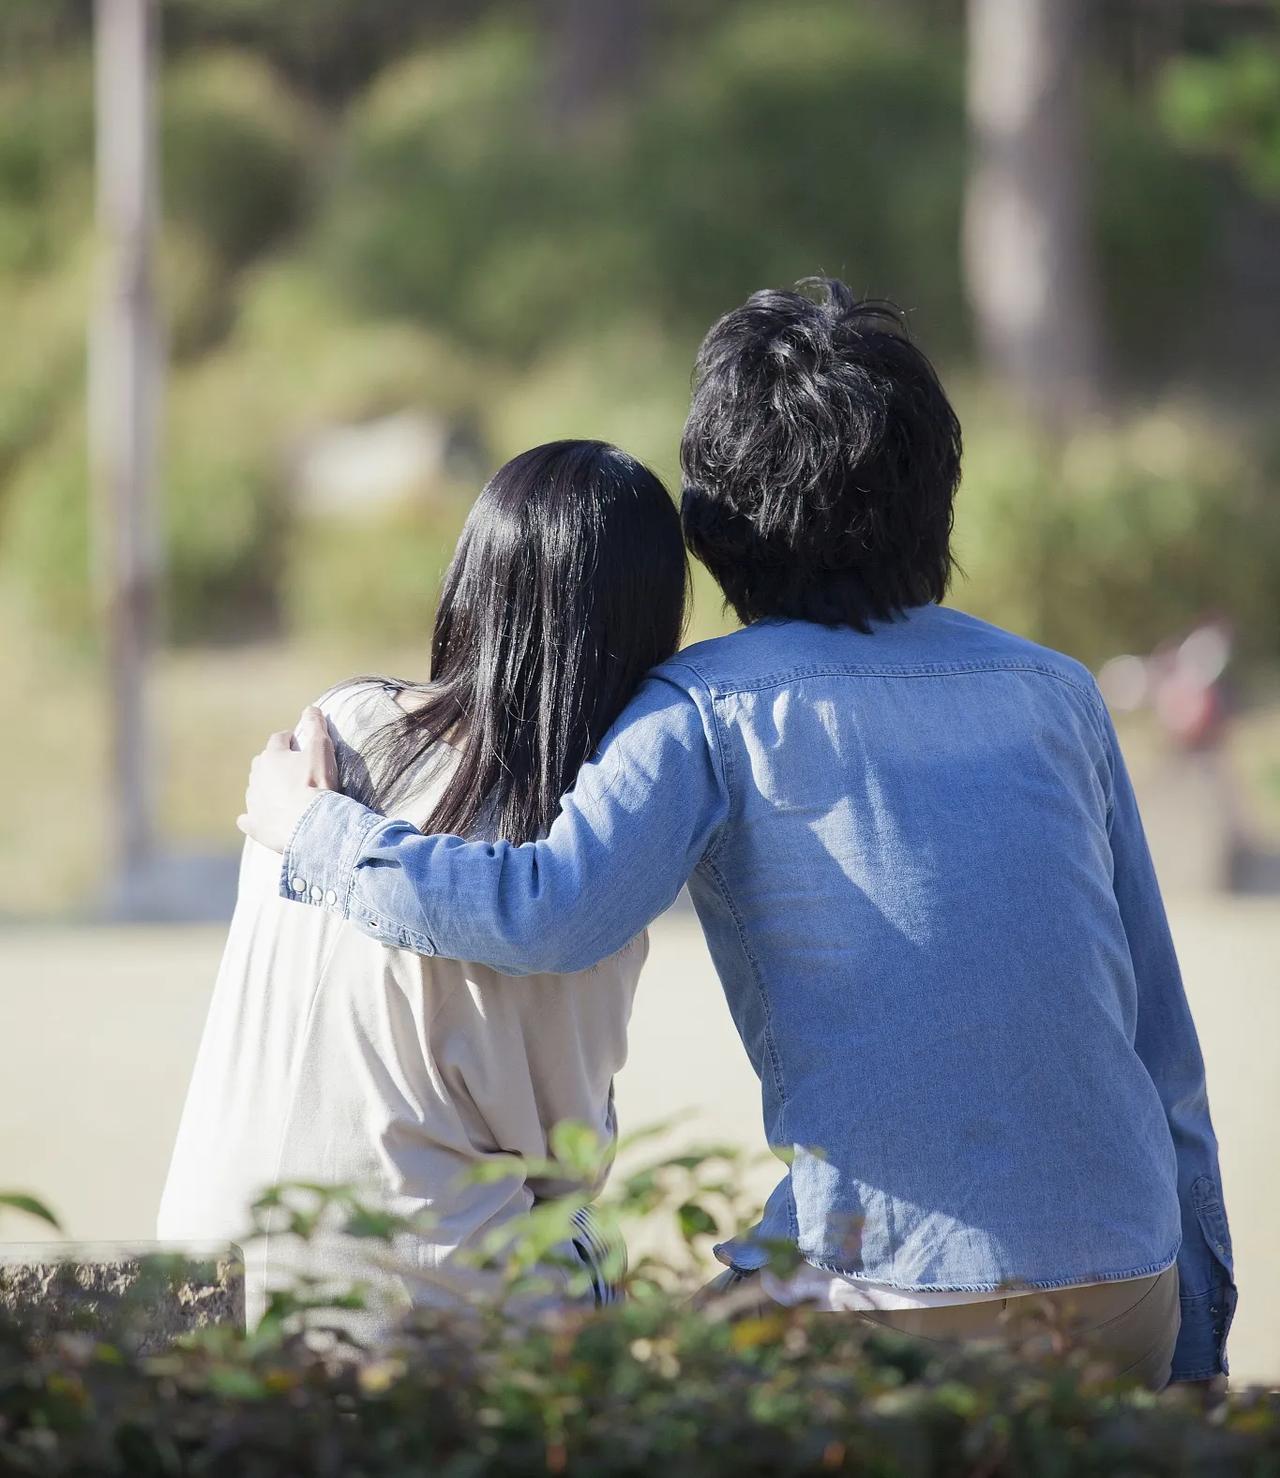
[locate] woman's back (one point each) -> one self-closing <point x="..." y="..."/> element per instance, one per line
<point x="327" y="1057"/>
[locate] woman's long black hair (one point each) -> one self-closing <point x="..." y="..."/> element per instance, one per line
<point x="569" y="582"/>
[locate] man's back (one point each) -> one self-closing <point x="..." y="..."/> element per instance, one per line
<point x="911" y="839"/>
<point x="912" y="910"/>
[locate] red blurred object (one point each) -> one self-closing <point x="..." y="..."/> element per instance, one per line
<point x="1191" y="713"/>
<point x="1187" y="686"/>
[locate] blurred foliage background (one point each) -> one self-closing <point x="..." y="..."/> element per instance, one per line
<point x="402" y="241"/>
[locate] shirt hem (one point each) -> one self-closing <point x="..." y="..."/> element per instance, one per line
<point x="1038" y="1285"/>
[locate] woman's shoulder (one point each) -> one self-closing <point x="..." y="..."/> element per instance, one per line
<point x="359" y="706"/>
<point x="358" y="712"/>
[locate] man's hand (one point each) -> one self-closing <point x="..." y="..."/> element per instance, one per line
<point x="284" y="778"/>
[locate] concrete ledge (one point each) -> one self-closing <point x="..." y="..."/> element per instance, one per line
<point x="142" y="1294"/>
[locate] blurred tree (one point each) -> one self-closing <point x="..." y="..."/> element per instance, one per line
<point x="125" y="375"/>
<point x="361" y="196"/>
<point x="331" y="48"/>
<point x="32" y="27"/>
<point x="597" y="52"/>
<point x="1027" y="256"/>
<point x="1229" y="103"/>
<point x="237" y="147"/>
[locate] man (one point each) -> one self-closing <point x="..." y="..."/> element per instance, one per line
<point x="915" y="852"/>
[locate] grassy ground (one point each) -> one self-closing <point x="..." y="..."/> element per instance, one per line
<point x="1255" y="756"/>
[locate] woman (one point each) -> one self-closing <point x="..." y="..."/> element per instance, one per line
<point x="328" y="1057"/>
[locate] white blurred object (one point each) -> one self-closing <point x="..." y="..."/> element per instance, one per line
<point x="1204" y="655"/>
<point x="369" y="466"/>
<point x="1125" y="683"/>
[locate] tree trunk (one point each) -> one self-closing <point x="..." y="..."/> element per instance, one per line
<point x="598" y="50"/>
<point x="124" y="382"/>
<point x="1028" y="262"/>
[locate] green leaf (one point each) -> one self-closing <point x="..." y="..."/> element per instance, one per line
<point x="373" y="1224"/>
<point x="695" y="1221"/>
<point x="577" y="1148"/>
<point x="17" y="1201"/>
<point x="236" y="1385"/>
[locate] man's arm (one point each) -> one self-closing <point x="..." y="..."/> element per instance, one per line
<point x="641" y="815"/>
<point x="1167" y="1043"/>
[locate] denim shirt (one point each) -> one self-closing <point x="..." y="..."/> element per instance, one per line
<point x="924" y="882"/>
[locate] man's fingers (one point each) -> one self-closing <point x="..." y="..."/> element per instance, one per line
<point x="312" y="728"/>
<point x="315" y="741"/>
<point x="283" y="739"/>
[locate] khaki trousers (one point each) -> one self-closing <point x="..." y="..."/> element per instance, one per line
<point x="1132" y="1325"/>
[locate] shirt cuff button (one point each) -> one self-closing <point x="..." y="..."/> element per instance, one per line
<point x="317" y="893"/>
<point x="298" y="885"/>
<point x="331" y="898"/>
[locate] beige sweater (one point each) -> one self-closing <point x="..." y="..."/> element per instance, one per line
<point x="329" y="1057"/>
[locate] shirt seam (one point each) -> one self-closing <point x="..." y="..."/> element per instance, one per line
<point x="766" y="1005"/>
<point x="721" y="759"/>
<point x="1098" y="712"/>
<point x="372" y="820"/>
<point x="913" y="670"/>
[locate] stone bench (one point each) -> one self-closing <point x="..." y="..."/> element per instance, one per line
<point x="144" y="1294"/>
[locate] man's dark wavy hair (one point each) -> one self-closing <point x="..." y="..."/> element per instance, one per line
<point x="821" y="459"/>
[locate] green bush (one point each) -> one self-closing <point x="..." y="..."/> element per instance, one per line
<point x="814" y="137"/>
<point x="46" y="161"/>
<point x="45" y="316"/>
<point x="780" y="142"/>
<point x="431" y="244"/>
<point x="1229" y="104"/>
<point x="236" y="149"/>
<point x="441" y="180"/>
<point x="1122" y="536"/>
<point x="218" y="512"/>
<point x="297" y="364"/>
<point x="226" y="532"/>
<point x="370" y="582"/>
<point x="1156" y="223"/>
<point x="648" y="1386"/>
<point x="235" y="556"/>
<point x="45" y="550"/>
<point x="329" y="47"/>
<point x="454" y="204"/>
<point x="643" y="1390"/>
<point x="303" y="352"/>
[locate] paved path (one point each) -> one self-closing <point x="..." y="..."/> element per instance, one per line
<point x="99" y="1028"/>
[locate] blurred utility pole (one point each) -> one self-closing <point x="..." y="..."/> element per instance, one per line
<point x="1027" y="247"/>
<point x="124" y="385"/>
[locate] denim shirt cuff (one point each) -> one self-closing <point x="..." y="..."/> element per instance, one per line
<point x="319" y="864"/>
<point x="741" y="1254"/>
<point x="1201" y="1352"/>
<point x="1208" y="1292"/>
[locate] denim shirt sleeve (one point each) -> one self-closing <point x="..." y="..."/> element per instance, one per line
<point x="1166" y="1042"/>
<point x="641" y="815"/>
